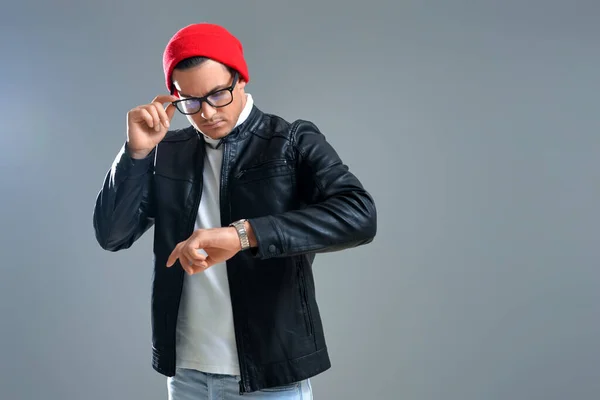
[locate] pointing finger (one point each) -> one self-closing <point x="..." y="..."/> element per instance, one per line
<point x="174" y="254"/>
<point x="165" y="98"/>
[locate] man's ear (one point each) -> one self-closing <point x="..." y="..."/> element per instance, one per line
<point x="174" y="91"/>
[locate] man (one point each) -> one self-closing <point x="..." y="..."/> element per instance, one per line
<point x="241" y="201"/>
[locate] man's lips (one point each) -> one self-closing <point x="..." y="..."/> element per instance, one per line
<point x="213" y="124"/>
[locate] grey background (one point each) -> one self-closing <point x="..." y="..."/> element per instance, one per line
<point x="473" y="124"/>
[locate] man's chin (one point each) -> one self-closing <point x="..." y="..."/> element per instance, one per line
<point x="215" y="133"/>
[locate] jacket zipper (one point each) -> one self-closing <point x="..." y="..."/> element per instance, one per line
<point x="223" y="204"/>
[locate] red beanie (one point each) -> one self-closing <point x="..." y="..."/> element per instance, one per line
<point x="206" y="40"/>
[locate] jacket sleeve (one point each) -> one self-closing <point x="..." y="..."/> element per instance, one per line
<point x="340" y="213"/>
<point x="123" y="210"/>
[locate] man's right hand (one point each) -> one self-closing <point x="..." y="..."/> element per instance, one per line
<point x="148" y="124"/>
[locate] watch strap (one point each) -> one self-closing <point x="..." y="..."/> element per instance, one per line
<point x="243" y="235"/>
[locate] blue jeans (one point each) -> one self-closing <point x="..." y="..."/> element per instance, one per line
<point x="189" y="384"/>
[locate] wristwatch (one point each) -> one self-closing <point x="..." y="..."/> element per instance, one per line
<point x="241" y="230"/>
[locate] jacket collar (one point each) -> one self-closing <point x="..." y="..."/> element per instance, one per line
<point x="241" y="131"/>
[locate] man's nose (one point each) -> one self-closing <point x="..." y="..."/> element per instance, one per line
<point x="207" y="111"/>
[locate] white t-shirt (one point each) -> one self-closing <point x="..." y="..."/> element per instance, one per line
<point x="205" y="331"/>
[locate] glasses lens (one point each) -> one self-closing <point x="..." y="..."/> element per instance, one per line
<point x="220" y="98"/>
<point x="190" y="106"/>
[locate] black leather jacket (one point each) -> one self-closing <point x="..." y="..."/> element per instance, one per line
<point x="300" y="200"/>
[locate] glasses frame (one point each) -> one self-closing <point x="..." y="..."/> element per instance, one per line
<point x="202" y="99"/>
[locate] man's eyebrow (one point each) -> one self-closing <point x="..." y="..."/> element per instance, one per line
<point x="216" y="88"/>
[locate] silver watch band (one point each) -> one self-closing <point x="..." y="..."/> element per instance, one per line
<point x="243" y="235"/>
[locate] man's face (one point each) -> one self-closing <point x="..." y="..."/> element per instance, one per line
<point x="204" y="80"/>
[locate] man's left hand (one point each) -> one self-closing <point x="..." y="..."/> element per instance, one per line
<point x="220" y="244"/>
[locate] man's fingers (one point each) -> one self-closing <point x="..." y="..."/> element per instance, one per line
<point x="209" y="262"/>
<point x="162" y="114"/>
<point x="186" y="265"/>
<point x="165" y="98"/>
<point x="191" y="260"/>
<point x="174" y="254"/>
<point x="165" y="114"/>
<point x="170" y="111"/>
<point x="195" y="258"/>
<point x="191" y="257"/>
<point x="196" y="255"/>
<point x="155" y="116"/>
<point x="172" y="258"/>
<point x="148" y="119"/>
<point x="190" y="266"/>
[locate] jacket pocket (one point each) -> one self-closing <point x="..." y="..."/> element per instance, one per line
<point x="264" y="170"/>
<point x="304" y="300"/>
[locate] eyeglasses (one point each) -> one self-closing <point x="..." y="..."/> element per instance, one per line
<point x="217" y="99"/>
